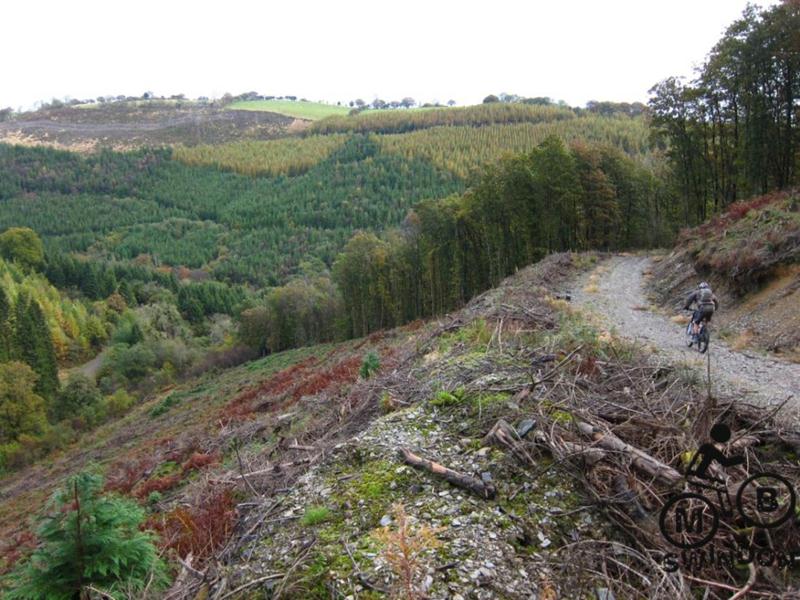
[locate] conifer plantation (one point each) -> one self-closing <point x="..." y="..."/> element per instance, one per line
<point x="376" y="349"/>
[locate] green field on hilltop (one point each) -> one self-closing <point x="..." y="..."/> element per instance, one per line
<point x="299" y="109"/>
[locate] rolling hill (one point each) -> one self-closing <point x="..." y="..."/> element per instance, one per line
<point x="247" y="209"/>
<point x="125" y="125"/>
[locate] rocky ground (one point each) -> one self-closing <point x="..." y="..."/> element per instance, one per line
<point x="334" y="531"/>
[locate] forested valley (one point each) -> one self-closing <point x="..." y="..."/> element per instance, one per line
<point x="264" y="346"/>
<point x="127" y="271"/>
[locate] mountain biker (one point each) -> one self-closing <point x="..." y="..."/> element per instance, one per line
<point x="706" y="302"/>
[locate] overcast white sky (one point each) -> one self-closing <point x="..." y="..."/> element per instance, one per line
<point x="333" y="50"/>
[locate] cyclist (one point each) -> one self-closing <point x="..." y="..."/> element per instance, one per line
<point x="706" y="303"/>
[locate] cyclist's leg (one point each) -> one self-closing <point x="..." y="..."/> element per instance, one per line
<point x="697" y="316"/>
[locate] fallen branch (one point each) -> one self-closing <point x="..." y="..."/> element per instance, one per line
<point x="467" y="482"/>
<point x="241" y="470"/>
<point x="640" y="459"/>
<point x="187" y="565"/>
<point x="502" y="434"/>
<point x="553" y="371"/>
<point x="300" y="447"/>
<point x="570" y="450"/>
<point x="250" y="584"/>
<point x="751" y="581"/>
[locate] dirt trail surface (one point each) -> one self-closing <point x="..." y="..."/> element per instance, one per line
<point x="615" y="292"/>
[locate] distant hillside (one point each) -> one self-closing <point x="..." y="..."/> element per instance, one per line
<point x="457" y="148"/>
<point x="254" y="229"/>
<point x="399" y="121"/>
<point x="131" y="124"/>
<point x="235" y="205"/>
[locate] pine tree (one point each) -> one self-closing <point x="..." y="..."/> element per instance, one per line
<point x="88" y="538"/>
<point x="35" y="345"/>
<point x="6" y="331"/>
<point x="24" y="341"/>
<point x="126" y="291"/>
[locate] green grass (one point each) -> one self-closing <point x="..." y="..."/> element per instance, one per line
<point x="301" y="110"/>
<point x="315" y="515"/>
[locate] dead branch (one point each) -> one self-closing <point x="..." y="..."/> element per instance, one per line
<point x="640" y="459"/>
<point x="751" y="581"/>
<point x="553" y="371"/>
<point x="467" y="482"/>
<point x="300" y="447"/>
<point x="241" y="470"/>
<point x="250" y="584"/>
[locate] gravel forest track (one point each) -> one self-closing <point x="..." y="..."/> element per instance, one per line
<point x="615" y="292"/>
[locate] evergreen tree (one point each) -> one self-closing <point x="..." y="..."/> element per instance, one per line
<point x="6" y="331"/>
<point x="88" y="538"/>
<point x="22" y="411"/>
<point x="89" y="284"/>
<point x="126" y="291"/>
<point x="34" y="344"/>
<point x="21" y="244"/>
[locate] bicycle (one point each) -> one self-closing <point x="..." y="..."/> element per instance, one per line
<point x="697" y="519"/>
<point x="701" y="338"/>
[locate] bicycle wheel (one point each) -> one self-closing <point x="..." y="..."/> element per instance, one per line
<point x="767" y="502"/>
<point x="702" y="340"/>
<point x="694" y="523"/>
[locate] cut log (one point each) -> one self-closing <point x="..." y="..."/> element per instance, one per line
<point x="573" y="451"/>
<point x="639" y="459"/>
<point x="467" y="482"/>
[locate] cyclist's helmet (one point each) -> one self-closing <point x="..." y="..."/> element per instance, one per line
<point x="703" y="285"/>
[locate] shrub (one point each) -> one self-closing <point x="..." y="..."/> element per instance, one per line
<point x="315" y="515"/>
<point x="198" y="460"/>
<point x="167" y="403"/>
<point x="88" y="538"/>
<point x="118" y="403"/>
<point x="405" y="549"/>
<point x="79" y="398"/>
<point x="371" y="364"/>
<point x="199" y="529"/>
<point x="131" y="363"/>
<point x="388" y="403"/>
<point x="444" y="398"/>
<point x="160" y="485"/>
